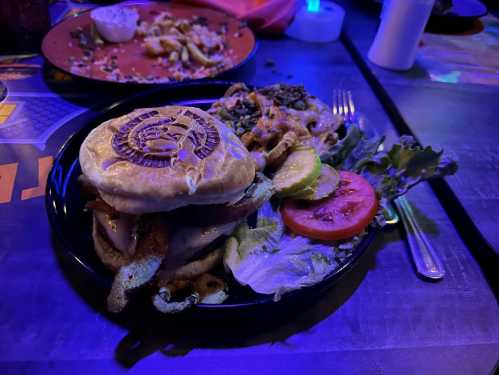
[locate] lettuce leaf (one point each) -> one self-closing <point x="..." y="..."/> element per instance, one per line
<point x="395" y="171"/>
<point x="354" y="146"/>
<point x="273" y="261"/>
<point x="391" y="172"/>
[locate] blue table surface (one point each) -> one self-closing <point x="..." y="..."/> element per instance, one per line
<point x="459" y="117"/>
<point x="380" y="318"/>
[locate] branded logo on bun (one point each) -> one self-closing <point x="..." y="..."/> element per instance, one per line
<point x="152" y="142"/>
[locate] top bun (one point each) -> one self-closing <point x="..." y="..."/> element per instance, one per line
<point x="159" y="159"/>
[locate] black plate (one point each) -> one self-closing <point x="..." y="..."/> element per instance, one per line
<point x="460" y="18"/>
<point x="459" y="9"/>
<point x="464" y="9"/>
<point x="72" y="225"/>
<point x="3" y="91"/>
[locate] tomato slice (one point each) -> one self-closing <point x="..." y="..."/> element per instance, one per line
<point x="344" y="214"/>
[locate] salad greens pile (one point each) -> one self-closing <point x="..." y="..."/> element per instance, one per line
<point x="273" y="261"/>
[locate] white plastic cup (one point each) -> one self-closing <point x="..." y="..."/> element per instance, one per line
<point x="398" y="36"/>
<point x="322" y="26"/>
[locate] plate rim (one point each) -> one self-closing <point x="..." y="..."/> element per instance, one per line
<point x="263" y="299"/>
<point x="477" y="3"/>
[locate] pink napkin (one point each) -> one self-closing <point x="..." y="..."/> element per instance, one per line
<point x="271" y="16"/>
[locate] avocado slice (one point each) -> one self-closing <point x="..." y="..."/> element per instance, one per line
<point x="301" y="168"/>
<point x="324" y="186"/>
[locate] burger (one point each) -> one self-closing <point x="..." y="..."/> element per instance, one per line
<point x="166" y="183"/>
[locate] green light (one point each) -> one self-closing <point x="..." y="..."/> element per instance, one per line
<point x="313" y="5"/>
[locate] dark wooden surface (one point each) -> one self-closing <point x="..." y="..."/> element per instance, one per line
<point x="461" y="118"/>
<point x="380" y="318"/>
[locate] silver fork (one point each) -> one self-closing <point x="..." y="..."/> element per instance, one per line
<point x="426" y="260"/>
<point x="343" y="105"/>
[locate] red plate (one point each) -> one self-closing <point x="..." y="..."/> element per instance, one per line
<point x="133" y="65"/>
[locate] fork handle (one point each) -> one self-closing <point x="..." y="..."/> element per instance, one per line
<point x="427" y="263"/>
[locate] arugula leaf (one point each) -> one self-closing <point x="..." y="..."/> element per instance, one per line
<point x="395" y="171"/>
<point x="355" y="146"/>
<point x="341" y="149"/>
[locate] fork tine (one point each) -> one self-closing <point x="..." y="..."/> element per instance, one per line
<point x="346" y="111"/>
<point x="351" y="105"/>
<point x="335" y="103"/>
<point x="343" y="104"/>
<point x="340" y="103"/>
<point x="343" y="108"/>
